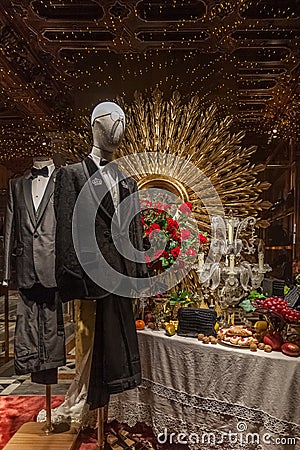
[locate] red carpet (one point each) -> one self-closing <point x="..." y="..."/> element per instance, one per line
<point x="16" y="410"/>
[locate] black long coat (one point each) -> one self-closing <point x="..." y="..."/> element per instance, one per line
<point x="72" y="280"/>
<point x="115" y="363"/>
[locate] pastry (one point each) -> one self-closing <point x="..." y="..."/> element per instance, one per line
<point x="222" y="333"/>
<point x="239" y="330"/>
<point x="245" y="342"/>
<point x="234" y="340"/>
<point x="243" y="336"/>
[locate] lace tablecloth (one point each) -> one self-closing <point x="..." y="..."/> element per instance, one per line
<point x="216" y="396"/>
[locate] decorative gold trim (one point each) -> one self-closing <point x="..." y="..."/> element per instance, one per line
<point x="164" y="182"/>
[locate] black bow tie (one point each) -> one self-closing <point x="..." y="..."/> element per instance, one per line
<point x="42" y="172"/>
<point x="113" y="167"/>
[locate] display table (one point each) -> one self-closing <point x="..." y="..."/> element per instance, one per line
<point x="194" y="388"/>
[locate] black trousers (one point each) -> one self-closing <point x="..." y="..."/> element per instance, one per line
<point x="115" y="363"/>
<point x="39" y="334"/>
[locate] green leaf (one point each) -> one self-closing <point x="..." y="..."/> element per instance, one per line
<point x="286" y="289"/>
<point x="164" y="262"/>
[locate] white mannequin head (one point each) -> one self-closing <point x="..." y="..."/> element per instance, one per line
<point x="108" y="126"/>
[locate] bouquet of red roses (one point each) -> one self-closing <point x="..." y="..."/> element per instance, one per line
<point x="173" y="242"/>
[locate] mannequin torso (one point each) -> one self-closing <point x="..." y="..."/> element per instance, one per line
<point x="115" y="361"/>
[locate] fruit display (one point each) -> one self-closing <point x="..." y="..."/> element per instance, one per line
<point x="170" y="329"/>
<point x="279" y="307"/>
<point x="274" y="339"/>
<point x="260" y="326"/>
<point x="290" y="349"/>
<point x="272" y="327"/>
<point x="139" y="324"/>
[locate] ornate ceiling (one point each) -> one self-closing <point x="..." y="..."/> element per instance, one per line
<point x="60" y="58"/>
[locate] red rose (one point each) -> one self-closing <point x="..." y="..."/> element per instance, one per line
<point x="155" y="226"/>
<point x="191" y="252"/>
<point x="172" y="224"/>
<point x="175" y="235"/>
<point x="186" y="208"/>
<point x="185" y="234"/>
<point x="165" y="254"/>
<point x="202" y="238"/>
<point x="175" y="252"/>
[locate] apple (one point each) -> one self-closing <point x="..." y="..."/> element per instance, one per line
<point x="274" y="339"/>
<point x="170" y="329"/>
<point x="290" y="349"/>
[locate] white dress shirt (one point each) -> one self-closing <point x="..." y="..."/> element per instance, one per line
<point x="39" y="185"/>
<point x="110" y="178"/>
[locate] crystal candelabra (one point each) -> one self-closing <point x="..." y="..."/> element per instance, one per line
<point x="225" y="269"/>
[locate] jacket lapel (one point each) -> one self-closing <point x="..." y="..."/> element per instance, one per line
<point x="27" y="183"/>
<point x="46" y="197"/>
<point x="125" y="189"/>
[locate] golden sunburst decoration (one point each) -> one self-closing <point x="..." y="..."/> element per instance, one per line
<point x="174" y="128"/>
<point x="184" y="136"/>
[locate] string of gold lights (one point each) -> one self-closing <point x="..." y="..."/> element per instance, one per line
<point x="211" y="69"/>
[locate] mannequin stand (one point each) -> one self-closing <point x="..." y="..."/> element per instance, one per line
<point x="100" y="428"/>
<point x="48" y="428"/>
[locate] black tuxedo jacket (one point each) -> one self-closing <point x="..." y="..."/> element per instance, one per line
<point x="73" y="282"/>
<point x="30" y="235"/>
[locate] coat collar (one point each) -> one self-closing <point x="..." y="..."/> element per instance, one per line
<point x="90" y="168"/>
<point x="35" y="216"/>
<point x="46" y="197"/>
<point x="27" y="192"/>
<point x="125" y="187"/>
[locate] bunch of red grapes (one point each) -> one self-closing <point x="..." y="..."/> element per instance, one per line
<point x="280" y="307"/>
